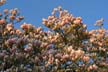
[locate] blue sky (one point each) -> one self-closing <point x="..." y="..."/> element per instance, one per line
<point x="35" y="10"/>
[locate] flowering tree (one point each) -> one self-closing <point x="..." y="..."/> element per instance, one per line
<point x="66" y="47"/>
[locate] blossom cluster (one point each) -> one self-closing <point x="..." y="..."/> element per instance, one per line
<point x="2" y="2"/>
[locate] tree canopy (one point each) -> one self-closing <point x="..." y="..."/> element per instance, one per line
<point x="67" y="46"/>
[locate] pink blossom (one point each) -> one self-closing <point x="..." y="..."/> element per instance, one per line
<point x="11" y="41"/>
<point x="77" y="21"/>
<point x="9" y="27"/>
<point x="2" y="21"/>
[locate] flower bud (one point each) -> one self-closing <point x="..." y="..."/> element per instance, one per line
<point x="6" y="11"/>
<point x="2" y="21"/>
<point x="12" y="18"/>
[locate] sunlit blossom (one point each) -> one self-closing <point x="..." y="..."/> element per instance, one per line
<point x="9" y="27"/>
